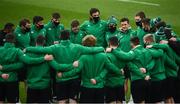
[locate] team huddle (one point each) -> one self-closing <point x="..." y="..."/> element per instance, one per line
<point x="91" y="62"/>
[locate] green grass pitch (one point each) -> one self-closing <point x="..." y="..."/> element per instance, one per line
<point x="14" y="10"/>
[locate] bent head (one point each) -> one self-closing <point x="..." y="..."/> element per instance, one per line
<point x="134" y="41"/>
<point x="148" y="39"/>
<point x="89" y="40"/>
<point x="113" y="42"/>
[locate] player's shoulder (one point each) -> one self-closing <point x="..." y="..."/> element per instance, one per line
<point x="86" y="22"/>
<point x="103" y="21"/>
<point x="17" y="30"/>
<point x="61" y="25"/>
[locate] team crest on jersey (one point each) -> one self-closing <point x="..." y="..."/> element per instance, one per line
<point x="32" y="32"/>
<point x="49" y="29"/>
<point x="100" y="25"/>
<point x="19" y="34"/>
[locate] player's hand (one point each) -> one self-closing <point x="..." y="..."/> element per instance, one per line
<point x="48" y="57"/>
<point x="93" y="81"/>
<point x="122" y="71"/>
<point x="149" y="46"/>
<point x="59" y="74"/>
<point x="5" y="76"/>
<point x="147" y="78"/>
<point x="143" y="70"/>
<point x="164" y="42"/>
<point x="56" y="42"/>
<point x="76" y="64"/>
<point x="108" y="50"/>
<point x="173" y="39"/>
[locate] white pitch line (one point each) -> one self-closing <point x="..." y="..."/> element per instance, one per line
<point x="140" y="2"/>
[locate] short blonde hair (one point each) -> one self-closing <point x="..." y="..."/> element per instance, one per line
<point x="89" y="40"/>
<point x="150" y="37"/>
